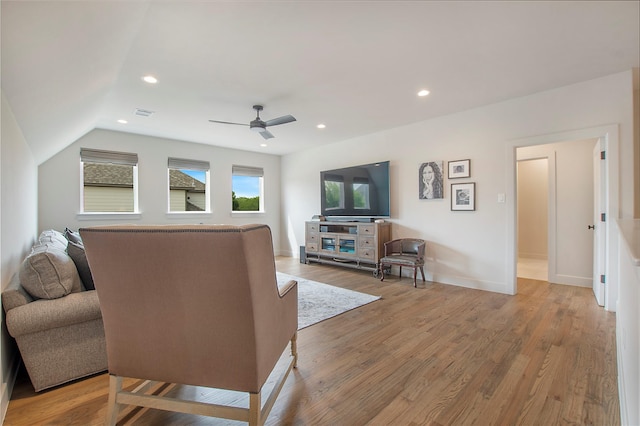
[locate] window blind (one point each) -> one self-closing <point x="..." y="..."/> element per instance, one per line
<point x="181" y="163"/>
<point x="247" y="171"/>
<point x="88" y="155"/>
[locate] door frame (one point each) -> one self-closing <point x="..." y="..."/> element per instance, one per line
<point x="611" y="134"/>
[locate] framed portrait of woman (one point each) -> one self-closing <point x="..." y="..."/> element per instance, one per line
<point x="431" y="180"/>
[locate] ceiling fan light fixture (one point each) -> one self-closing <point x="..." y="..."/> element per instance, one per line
<point x="258" y="129"/>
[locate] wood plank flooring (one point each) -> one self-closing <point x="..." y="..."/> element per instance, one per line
<point x="435" y="355"/>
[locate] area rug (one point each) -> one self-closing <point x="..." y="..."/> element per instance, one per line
<point x="318" y="302"/>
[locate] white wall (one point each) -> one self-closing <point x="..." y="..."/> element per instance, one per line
<point x="465" y="248"/>
<point x="59" y="182"/>
<point x="18" y="221"/>
<point x="533" y="181"/>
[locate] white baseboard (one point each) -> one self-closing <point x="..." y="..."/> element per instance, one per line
<point x="7" y="386"/>
<point x="571" y="280"/>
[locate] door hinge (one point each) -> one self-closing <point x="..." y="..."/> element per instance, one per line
<point x="603" y="217"/>
<point x="603" y="155"/>
<point x="603" y="279"/>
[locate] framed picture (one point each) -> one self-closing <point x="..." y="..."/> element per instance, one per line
<point x="459" y="169"/>
<point x="463" y="196"/>
<point x="431" y="180"/>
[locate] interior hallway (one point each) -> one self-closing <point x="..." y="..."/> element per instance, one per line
<point x="534" y="269"/>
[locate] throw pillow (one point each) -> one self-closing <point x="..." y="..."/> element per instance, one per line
<point x="76" y="252"/>
<point x="48" y="273"/>
<point x="53" y="238"/>
<point x="73" y="236"/>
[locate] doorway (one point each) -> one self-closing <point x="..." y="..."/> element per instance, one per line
<point x="532" y="208"/>
<point x="610" y="134"/>
<point x="554" y="210"/>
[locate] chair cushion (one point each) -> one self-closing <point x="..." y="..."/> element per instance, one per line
<point x="48" y="272"/>
<point x="401" y="259"/>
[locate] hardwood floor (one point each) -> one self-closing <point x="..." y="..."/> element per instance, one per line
<point x="437" y="355"/>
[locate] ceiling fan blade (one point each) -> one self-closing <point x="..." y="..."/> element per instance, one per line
<point x="266" y="134"/>
<point x="280" y="120"/>
<point x="228" y="122"/>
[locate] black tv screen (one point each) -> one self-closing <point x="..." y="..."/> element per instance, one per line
<point x="358" y="191"/>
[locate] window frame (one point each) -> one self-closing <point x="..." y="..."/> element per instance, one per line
<point x="251" y="171"/>
<point x="186" y="164"/>
<point x="97" y="156"/>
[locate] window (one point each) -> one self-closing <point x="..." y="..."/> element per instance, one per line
<point x="247" y="189"/>
<point x="334" y="192"/>
<point x="109" y="181"/>
<point x="188" y="185"/>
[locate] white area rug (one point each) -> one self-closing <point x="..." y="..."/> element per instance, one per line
<point x="318" y="302"/>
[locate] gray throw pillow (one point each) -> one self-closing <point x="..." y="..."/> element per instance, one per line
<point x="76" y="252"/>
<point x="48" y="273"/>
<point x="73" y="236"/>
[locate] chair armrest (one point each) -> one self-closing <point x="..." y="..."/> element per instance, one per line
<point x="286" y="287"/>
<point x="45" y="314"/>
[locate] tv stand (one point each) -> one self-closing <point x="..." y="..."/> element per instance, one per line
<point x="358" y="245"/>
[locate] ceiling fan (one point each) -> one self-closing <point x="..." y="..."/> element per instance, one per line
<point x="260" y="126"/>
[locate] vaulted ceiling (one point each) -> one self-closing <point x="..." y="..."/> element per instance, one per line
<point x="71" y="66"/>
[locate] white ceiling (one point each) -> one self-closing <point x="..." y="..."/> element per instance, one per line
<point x="71" y="66"/>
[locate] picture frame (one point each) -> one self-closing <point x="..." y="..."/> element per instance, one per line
<point x="459" y="169"/>
<point x="431" y="180"/>
<point x="463" y="196"/>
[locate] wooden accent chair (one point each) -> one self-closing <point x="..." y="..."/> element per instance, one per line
<point x="196" y="305"/>
<point x="404" y="252"/>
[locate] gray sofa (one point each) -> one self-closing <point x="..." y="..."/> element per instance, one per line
<point x="54" y="319"/>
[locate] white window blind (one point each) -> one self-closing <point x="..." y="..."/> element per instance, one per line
<point x="247" y="171"/>
<point x="183" y="164"/>
<point x="88" y="155"/>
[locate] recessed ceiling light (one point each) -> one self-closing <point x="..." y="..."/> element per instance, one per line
<point x="423" y="92"/>
<point x="121" y="121"/>
<point x="263" y="145"/>
<point x="321" y="126"/>
<point x="150" y="79"/>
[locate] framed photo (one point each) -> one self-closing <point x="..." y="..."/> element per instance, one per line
<point x="463" y="196"/>
<point x="459" y="169"/>
<point x="431" y="180"/>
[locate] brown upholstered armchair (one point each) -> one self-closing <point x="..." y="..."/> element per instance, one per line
<point x="189" y="305"/>
<point x="404" y="252"/>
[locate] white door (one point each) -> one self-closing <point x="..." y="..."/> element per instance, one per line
<point x="599" y="226"/>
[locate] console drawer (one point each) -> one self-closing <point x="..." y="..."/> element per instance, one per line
<point x="367" y="242"/>
<point x="367" y="253"/>
<point x="367" y="229"/>
<point x="313" y="227"/>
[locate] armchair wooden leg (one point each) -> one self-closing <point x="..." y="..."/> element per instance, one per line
<point x="415" y="274"/>
<point x="255" y="411"/>
<point x="422" y="272"/>
<point x="294" y="349"/>
<point x="381" y="272"/>
<point x="115" y="386"/>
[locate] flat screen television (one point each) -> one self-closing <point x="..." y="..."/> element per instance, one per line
<point x="356" y="192"/>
